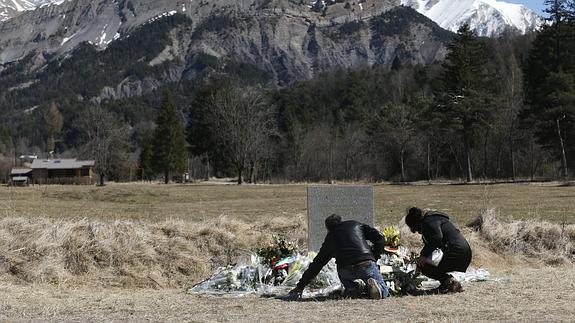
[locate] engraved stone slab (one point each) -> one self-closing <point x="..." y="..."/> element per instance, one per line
<point x="350" y="202"/>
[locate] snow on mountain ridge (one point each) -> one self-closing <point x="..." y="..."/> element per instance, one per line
<point x="11" y="8"/>
<point x="487" y="17"/>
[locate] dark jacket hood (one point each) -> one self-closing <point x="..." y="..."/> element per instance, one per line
<point x="436" y="213"/>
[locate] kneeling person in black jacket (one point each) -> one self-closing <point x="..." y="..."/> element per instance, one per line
<point x="440" y="233"/>
<point x="356" y="267"/>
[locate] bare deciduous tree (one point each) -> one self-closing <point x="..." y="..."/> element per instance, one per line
<point x="105" y="139"/>
<point x="401" y="130"/>
<point x="242" y="121"/>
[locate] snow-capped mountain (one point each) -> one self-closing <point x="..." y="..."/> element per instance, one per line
<point x="11" y="8"/>
<point x="107" y="44"/>
<point x="486" y="17"/>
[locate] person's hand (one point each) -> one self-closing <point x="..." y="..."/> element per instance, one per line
<point x="295" y="294"/>
<point x="421" y="261"/>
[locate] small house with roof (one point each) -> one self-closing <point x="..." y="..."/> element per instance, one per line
<point x="20" y="176"/>
<point x="62" y="171"/>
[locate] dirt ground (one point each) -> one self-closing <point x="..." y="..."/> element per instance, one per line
<point x="543" y="295"/>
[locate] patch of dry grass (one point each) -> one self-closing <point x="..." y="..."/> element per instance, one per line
<point x="551" y="243"/>
<point x="125" y="253"/>
<point x="177" y="253"/>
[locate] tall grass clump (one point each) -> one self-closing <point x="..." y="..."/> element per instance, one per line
<point x="124" y="253"/>
<point x="551" y="243"/>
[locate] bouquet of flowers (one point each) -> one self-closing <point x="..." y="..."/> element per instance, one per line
<point x="276" y="251"/>
<point x="391" y="235"/>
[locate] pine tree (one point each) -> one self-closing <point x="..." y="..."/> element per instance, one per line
<point x="5" y="140"/>
<point x="570" y="11"/>
<point x="562" y="16"/>
<point x="169" y="152"/>
<point x="558" y="11"/>
<point x="146" y="156"/>
<point x="396" y="64"/>
<point x="549" y="79"/>
<point x="462" y="104"/>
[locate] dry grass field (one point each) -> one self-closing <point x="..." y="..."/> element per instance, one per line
<point x="157" y="202"/>
<point x="127" y="251"/>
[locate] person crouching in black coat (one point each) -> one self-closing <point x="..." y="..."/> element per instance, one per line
<point x="440" y="233"/>
<point x="347" y="242"/>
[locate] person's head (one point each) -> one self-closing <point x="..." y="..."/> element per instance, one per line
<point x="332" y="221"/>
<point x="413" y="219"/>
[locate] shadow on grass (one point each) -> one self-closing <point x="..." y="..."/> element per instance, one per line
<point x="338" y="296"/>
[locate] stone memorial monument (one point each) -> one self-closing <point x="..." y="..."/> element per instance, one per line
<point x="350" y="202"/>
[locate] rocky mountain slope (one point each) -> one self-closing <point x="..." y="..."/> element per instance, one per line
<point x="487" y="17"/>
<point x="12" y="8"/>
<point x="130" y="47"/>
<point x="56" y="29"/>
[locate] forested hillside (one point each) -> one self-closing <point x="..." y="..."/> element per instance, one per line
<point x="490" y="109"/>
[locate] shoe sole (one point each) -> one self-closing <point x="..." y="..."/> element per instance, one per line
<point x="374" y="289"/>
<point x="361" y="286"/>
<point x="453" y="287"/>
<point x="457" y="288"/>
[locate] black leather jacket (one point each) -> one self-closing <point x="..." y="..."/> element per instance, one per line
<point x="348" y="244"/>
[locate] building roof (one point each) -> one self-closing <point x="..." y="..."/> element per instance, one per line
<point x="61" y="164"/>
<point x="20" y="171"/>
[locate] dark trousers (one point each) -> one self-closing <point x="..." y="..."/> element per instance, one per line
<point x="450" y="262"/>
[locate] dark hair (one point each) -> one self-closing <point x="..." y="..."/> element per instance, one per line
<point x="414" y="215"/>
<point x="332" y="221"/>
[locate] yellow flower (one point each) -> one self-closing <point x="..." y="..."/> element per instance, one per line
<point x="391" y="235"/>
